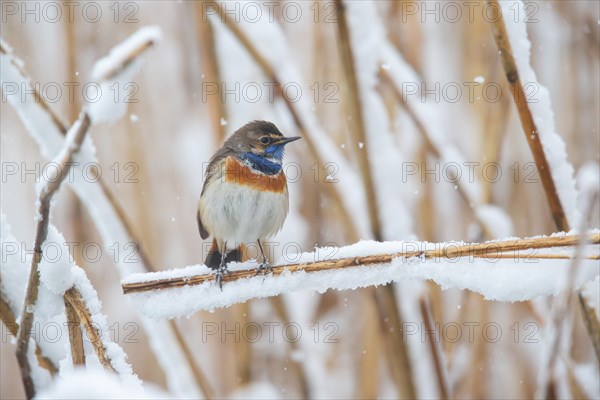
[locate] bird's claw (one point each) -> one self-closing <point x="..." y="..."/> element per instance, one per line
<point x="265" y="267"/>
<point x="219" y="273"/>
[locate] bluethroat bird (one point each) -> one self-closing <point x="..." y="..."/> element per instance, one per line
<point x="245" y="196"/>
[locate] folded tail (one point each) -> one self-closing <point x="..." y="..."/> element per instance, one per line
<point x="213" y="258"/>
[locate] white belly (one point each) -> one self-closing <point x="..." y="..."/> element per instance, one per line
<point x="240" y="214"/>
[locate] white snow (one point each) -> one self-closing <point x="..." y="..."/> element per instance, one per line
<point x="14" y="270"/>
<point x="109" y="106"/>
<point x="121" y="52"/>
<point x="97" y="384"/>
<point x="49" y="137"/>
<point x="367" y="37"/>
<point x="509" y="279"/>
<point x="496" y="219"/>
<point x="56" y="264"/>
<point x="541" y="108"/>
<point x="591" y="292"/>
<point x="493" y="218"/>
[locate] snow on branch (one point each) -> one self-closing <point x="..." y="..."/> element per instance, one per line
<point x="507" y="270"/>
<point x="46" y="191"/>
<point x="118" y="62"/>
<point x="537" y="118"/>
<point x="124" y="54"/>
<point x="184" y="378"/>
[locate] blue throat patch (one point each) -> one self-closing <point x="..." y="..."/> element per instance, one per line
<point x="261" y="163"/>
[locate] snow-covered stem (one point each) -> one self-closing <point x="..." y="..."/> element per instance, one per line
<point x="75" y="336"/>
<point x="8" y="318"/>
<point x="49" y="188"/>
<point x="591" y="323"/>
<point x="357" y="125"/>
<point x="116" y="62"/>
<point x="396" y="351"/>
<point x="561" y="304"/>
<point x="73" y="296"/>
<point x="476" y="250"/>
<point x="268" y="70"/>
<point x="435" y="350"/>
<point x="5" y="50"/>
<point x="530" y="128"/>
<point x="118" y="217"/>
<point x="62" y="128"/>
<point x="429" y="143"/>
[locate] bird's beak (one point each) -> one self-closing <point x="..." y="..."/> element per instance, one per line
<point x="287" y="140"/>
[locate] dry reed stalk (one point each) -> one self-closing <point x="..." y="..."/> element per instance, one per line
<point x="201" y="379"/>
<point x="532" y="136"/>
<point x="269" y="72"/>
<point x="357" y="121"/>
<point x="395" y="349"/>
<point x="62" y="127"/>
<point x="74" y="207"/>
<point x="38" y="99"/>
<point x="242" y="349"/>
<point x="121" y="216"/>
<point x="8" y="317"/>
<point x="476" y="250"/>
<point x="529" y="127"/>
<point x="126" y="60"/>
<point x="75" y="337"/>
<point x="74" y="298"/>
<point x="282" y="314"/>
<point x="592" y="324"/>
<point x="211" y="71"/>
<point x="371" y="343"/>
<point x="430" y="144"/>
<point x="561" y="304"/>
<point x="44" y="199"/>
<point x="385" y="296"/>
<point x="436" y="352"/>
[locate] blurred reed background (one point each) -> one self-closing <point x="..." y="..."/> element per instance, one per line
<point x="153" y="161"/>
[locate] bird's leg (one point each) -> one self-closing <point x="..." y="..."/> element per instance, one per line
<point x="222" y="268"/>
<point x="264" y="266"/>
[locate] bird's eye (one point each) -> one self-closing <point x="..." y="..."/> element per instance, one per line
<point x="264" y="140"/>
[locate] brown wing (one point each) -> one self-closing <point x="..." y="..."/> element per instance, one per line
<point x="214" y="171"/>
<point x="203" y="232"/>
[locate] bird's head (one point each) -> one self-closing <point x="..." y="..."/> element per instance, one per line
<point x="260" y="138"/>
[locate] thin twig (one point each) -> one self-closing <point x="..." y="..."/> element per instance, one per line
<point x="561" y="304"/>
<point x="281" y="311"/>
<point x="93" y="333"/>
<point x="120" y="214"/>
<point x="357" y="126"/>
<point x="431" y="145"/>
<point x="62" y="127"/>
<point x="396" y="351"/>
<point x="434" y="349"/>
<point x="75" y="336"/>
<point x="49" y="188"/>
<point x="198" y="374"/>
<point x="592" y="324"/>
<point x="529" y="126"/>
<point x="8" y="317"/>
<point x="477" y="250"/>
